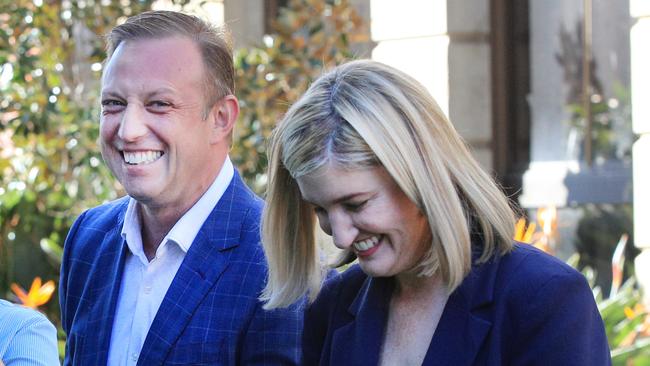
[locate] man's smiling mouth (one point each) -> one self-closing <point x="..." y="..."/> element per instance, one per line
<point x="141" y="157"/>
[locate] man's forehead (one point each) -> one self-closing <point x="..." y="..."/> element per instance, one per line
<point x="174" y="54"/>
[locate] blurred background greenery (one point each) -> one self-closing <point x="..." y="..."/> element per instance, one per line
<point x="51" y="55"/>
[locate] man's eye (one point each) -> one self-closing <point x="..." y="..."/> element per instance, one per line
<point x="111" y="102"/>
<point x="159" y="104"/>
<point x="112" y="105"/>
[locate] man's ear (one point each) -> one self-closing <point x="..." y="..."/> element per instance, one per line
<point x="222" y="117"/>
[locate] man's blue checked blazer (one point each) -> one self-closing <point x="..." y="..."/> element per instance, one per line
<point x="210" y="314"/>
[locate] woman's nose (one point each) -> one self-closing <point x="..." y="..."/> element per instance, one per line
<point x="343" y="230"/>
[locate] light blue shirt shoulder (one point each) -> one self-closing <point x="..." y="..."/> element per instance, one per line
<point x="27" y="338"/>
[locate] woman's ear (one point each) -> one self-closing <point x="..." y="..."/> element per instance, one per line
<point x="222" y="117"/>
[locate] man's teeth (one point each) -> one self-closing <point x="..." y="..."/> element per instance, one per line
<point x="366" y="244"/>
<point x="141" y="157"/>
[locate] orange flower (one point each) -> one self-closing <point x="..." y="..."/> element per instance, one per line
<point x="523" y="234"/>
<point x="547" y="218"/>
<point x="632" y="313"/>
<point x="38" y="294"/>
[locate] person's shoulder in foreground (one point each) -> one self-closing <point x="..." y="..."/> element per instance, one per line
<point x="533" y="309"/>
<point x="26" y="337"/>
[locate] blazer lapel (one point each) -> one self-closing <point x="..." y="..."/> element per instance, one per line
<point x="203" y="265"/>
<point x="105" y="284"/>
<point x="359" y="342"/>
<point x="462" y="328"/>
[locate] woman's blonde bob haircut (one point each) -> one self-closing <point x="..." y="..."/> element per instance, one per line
<point x="363" y="114"/>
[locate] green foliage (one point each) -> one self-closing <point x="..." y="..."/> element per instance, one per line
<point x="308" y="36"/>
<point x="627" y="333"/>
<point x="627" y="322"/>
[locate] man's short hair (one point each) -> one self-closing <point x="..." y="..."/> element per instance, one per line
<point x="214" y="43"/>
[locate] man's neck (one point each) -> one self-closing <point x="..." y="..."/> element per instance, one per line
<point x="157" y="220"/>
<point x="155" y="223"/>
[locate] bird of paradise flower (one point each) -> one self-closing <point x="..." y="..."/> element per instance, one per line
<point x="544" y="239"/>
<point x="37" y="295"/>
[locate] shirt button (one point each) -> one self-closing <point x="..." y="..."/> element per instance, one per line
<point x="147" y="290"/>
<point x="134" y="357"/>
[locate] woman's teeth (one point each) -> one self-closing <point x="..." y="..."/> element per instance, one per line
<point x="363" y="245"/>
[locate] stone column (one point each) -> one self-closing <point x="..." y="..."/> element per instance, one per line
<point x="470" y="75"/>
<point x="245" y="19"/>
<point x="445" y="45"/>
<point x="639" y="35"/>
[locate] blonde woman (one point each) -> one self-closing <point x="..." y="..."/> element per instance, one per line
<point x="368" y="154"/>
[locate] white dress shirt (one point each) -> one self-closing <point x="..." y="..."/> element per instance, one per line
<point x="145" y="283"/>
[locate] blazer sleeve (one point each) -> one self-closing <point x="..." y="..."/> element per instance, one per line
<point x="561" y="325"/>
<point x="273" y="337"/>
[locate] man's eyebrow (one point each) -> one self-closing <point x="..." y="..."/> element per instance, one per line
<point x="159" y="91"/>
<point x="151" y="94"/>
<point x="110" y="94"/>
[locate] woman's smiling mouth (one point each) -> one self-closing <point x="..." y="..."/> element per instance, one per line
<point x="367" y="246"/>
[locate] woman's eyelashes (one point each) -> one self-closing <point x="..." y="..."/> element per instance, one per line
<point x="355" y="206"/>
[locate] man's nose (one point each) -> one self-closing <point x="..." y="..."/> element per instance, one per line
<point x="133" y="125"/>
<point x="343" y="230"/>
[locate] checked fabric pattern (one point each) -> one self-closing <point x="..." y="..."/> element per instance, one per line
<point x="210" y="314"/>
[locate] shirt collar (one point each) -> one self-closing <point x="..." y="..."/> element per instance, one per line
<point x="187" y="227"/>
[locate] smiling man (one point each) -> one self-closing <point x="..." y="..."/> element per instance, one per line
<point x="171" y="273"/>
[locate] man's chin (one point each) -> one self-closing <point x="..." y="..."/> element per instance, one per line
<point x="140" y="194"/>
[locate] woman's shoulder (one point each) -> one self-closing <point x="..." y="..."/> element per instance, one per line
<point x="526" y="272"/>
<point x="541" y="303"/>
<point x="529" y="264"/>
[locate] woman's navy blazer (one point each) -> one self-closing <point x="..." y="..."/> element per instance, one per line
<point x="523" y="308"/>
